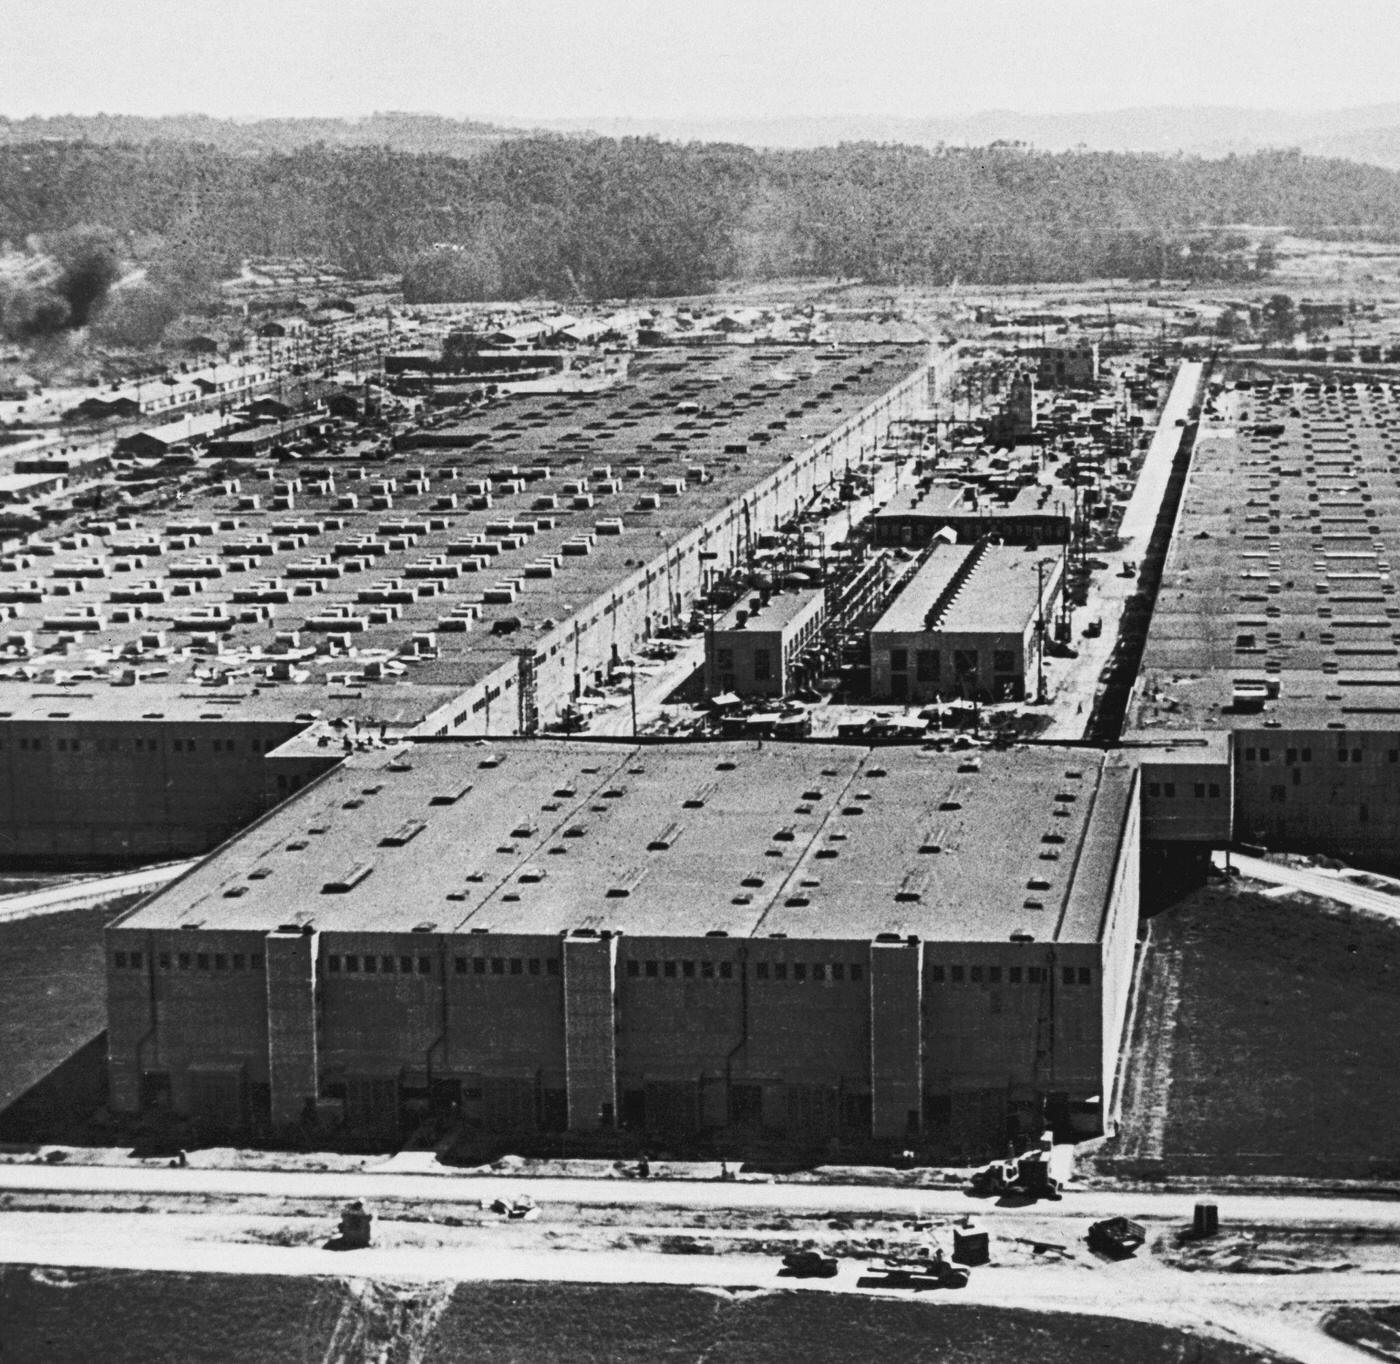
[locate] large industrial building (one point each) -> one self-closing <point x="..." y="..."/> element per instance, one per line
<point x="971" y="624"/>
<point x="806" y="941"/>
<point x="165" y="675"/>
<point x="1272" y="666"/>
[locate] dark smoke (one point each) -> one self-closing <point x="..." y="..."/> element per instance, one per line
<point x="89" y="263"/>
<point x="60" y="284"/>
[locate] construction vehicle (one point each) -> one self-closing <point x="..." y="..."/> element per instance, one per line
<point x="919" y="1272"/>
<point x="1027" y="1175"/>
<point x="808" y="1264"/>
<point x="1117" y="1236"/>
<point x="354" y="1230"/>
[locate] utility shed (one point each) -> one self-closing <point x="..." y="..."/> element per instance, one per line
<point x="806" y="940"/>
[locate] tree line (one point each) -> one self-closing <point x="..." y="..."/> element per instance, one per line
<point x="594" y="217"/>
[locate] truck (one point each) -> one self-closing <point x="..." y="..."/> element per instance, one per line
<point x="1028" y="1175"/>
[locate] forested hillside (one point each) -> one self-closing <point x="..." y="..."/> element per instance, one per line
<point x="572" y="217"/>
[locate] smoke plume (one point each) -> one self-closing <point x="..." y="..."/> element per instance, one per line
<point x="59" y="284"/>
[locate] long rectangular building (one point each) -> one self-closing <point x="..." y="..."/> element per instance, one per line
<point x="1277" y="625"/>
<point x="474" y="587"/>
<point x="971" y="624"/>
<point x="809" y="941"/>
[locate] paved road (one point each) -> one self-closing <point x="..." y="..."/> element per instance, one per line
<point x="1254" y="1209"/>
<point x="1279" y="1313"/>
<point x="1315" y="881"/>
<point x="1073" y="682"/>
<point x="90" y="890"/>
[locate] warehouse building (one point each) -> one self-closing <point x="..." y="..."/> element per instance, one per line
<point x="476" y="587"/>
<point x="1069" y="363"/>
<point x="798" y="941"/>
<point x="763" y="647"/>
<point x="1277" y="626"/>
<point x="1017" y="509"/>
<point x="971" y="624"/>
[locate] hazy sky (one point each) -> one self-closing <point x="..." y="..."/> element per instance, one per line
<point x="679" y="58"/>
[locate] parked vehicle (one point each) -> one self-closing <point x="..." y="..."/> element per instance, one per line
<point x="808" y="1264"/>
<point x="920" y="1272"/>
<point x="1028" y="1175"/>
<point x="1117" y="1236"/>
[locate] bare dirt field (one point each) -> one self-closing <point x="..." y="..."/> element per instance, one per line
<point x="1267" y="1041"/>
<point x="118" y="1316"/>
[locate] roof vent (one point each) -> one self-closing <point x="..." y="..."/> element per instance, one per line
<point x="405" y="833"/>
<point x="348" y="880"/>
<point x="450" y="797"/>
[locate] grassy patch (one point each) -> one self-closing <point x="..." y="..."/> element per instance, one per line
<point x="1283" y="1041"/>
<point x="126" y="1317"/>
<point x="535" y="1323"/>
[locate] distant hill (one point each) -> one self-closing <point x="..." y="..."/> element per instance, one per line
<point x="1369" y="134"/>
<point x="425" y="133"/>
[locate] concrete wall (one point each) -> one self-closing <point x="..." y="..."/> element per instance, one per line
<point x="1293" y="789"/>
<point x="1118" y="955"/>
<point x="811" y="1038"/>
<point x="730" y="654"/>
<point x="1185" y="801"/>
<point x="104" y="791"/>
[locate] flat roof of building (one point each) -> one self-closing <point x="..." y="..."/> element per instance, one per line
<point x="1000" y="594"/>
<point x="798" y="840"/>
<point x="958" y="500"/>
<point x="1280" y="575"/>
<point x="777" y="613"/>
<point x="634" y="459"/>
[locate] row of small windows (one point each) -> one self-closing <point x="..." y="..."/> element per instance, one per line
<point x="1015" y="975"/>
<point x="799" y="971"/>
<point x="191" y="961"/>
<point x="371" y="965"/>
<point x="1199" y="789"/>
<point x="506" y="966"/>
<point x="138" y="745"/>
<point x="1293" y="755"/>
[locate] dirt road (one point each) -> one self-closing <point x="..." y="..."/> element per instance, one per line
<point x="88" y="891"/>
<point x="1279" y="1313"/>
<point x="1293" y="1210"/>
<point x="1331" y="885"/>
